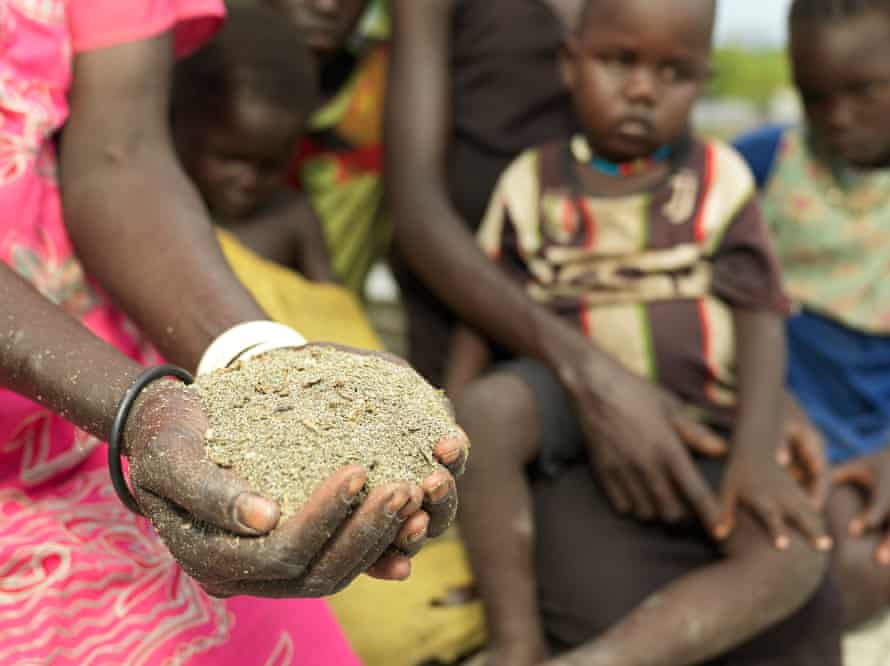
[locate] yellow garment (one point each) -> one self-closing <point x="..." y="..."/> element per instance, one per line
<point x="407" y="624"/>
<point x="388" y="624"/>
<point x="320" y="312"/>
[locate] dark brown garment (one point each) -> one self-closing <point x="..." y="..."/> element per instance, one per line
<point x="506" y="92"/>
<point x="507" y="96"/>
<point x="594" y="566"/>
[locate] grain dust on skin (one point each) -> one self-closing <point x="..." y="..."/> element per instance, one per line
<point x="287" y="420"/>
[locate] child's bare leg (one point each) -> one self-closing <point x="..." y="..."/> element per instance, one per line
<point x="710" y="611"/>
<point x="500" y="416"/>
<point x="864" y="583"/>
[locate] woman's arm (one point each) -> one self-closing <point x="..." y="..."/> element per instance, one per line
<point x="49" y="357"/>
<point x="629" y="424"/>
<point x="469" y="355"/>
<point x="137" y="223"/>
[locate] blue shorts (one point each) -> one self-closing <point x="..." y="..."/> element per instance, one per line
<point x="842" y="379"/>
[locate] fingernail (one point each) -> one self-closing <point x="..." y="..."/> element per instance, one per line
<point x="721" y="531"/>
<point x="783" y="542"/>
<point x="447" y="451"/>
<point x="255" y="513"/>
<point x="414" y="538"/>
<point x="395" y="504"/>
<point x="353" y="488"/>
<point x="884" y="556"/>
<point x="857" y="527"/>
<point x="824" y="543"/>
<point x="408" y="510"/>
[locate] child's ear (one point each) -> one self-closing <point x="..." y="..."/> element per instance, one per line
<point x="567" y="51"/>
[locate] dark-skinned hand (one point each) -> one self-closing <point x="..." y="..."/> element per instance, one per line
<point x="317" y="552"/>
<point x="871" y="475"/>
<point x="644" y="465"/>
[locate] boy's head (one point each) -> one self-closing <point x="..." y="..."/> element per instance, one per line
<point x="635" y="68"/>
<point x="840" y="52"/>
<point x="240" y="105"/>
<point x="326" y="24"/>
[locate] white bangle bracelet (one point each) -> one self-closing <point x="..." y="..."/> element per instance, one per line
<point x="246" y="341"/>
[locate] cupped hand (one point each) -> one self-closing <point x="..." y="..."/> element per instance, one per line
<point x="632" y="427"/>
<point x="871" y="474"/>
<point x="773" y="498"/>
<point x="317" y="552"/>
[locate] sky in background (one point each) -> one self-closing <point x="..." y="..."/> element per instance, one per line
<point x="752" y="23"/>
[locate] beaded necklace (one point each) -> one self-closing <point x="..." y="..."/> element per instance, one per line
<point x="583" y="153"/>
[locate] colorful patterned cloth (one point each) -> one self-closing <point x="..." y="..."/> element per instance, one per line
<point x="651" y="277"/>
<point x="82" y="580"/>
<point x="341" y="160"/>
<point x="832" y="231"/>
<point x="832" y="227"/>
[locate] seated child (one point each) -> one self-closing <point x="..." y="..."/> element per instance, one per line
<point x="652" y="242"/>
<point x="239" y="107"/>
<point x="826" y="194"/>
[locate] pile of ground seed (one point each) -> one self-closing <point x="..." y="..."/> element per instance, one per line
<point x="288" y="419"/>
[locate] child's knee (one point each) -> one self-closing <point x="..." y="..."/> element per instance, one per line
<point x="499" y="413"/>
<point x="788" y="577"/>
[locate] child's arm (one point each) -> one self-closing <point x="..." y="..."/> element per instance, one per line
<point x="468" y="358"/>
<point x="754" y="479"/>
<point x="289" y="233"/>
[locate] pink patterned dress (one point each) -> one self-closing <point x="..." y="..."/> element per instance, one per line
<point x="83" y="581"/>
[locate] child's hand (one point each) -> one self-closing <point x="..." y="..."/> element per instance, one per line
<point x="871" y="474"/>
<point x="802" y="453"/>
<point x="773" y="498"/>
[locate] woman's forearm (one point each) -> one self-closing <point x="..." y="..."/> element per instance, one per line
<point x="137" y="223"/>
<point x="431" y="235"/>
<point x="49" y="357"/>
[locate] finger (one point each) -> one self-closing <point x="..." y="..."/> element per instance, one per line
<point x="771" y="518"/>
<point x="414" y="530"/>
<point x="617" y="495"/>
<point x="808" y="523"/>
<point x="452" y="452"/>
<point x="668" y="504"/>
<point x="783" y="456"/>
<point x="810" y="451"/>
<point x="392" y="566"/>
<point x="820" y="487"/>
<point x="440" y="501"/>
<point x="882" y="554"/>
<point x="854" y="473"/>
<point x="361" y="540"/>
<point x="695" y="489"/>
<point x="878" y="507"/>
<point x="415" y="522"/>
<point x="729" y="500"/>
<point x="698" y="437"/>
<point x="171" y="468"/>
<point x="214" y="556"/>
<point x="634" y="483"/>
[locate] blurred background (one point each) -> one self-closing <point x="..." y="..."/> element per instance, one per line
<point x="752" y="81"/>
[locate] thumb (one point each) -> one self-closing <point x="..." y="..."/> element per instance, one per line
<point x="699" y="438"/>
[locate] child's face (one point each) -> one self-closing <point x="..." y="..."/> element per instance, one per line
<point x="842" y="71"/>
<point x="239" y="163"/>
<point x="326" y="24"/>
<point x="635" y="70"/>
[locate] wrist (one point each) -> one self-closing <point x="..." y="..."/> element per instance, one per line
<point x="577" y="363"/>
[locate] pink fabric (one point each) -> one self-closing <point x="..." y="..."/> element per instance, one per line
<point x="83" y="581"/>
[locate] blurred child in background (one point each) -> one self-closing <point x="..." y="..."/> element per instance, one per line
<point x="651" y="242"/>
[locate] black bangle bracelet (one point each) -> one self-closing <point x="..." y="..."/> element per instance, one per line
<point x="120" y="421"/>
